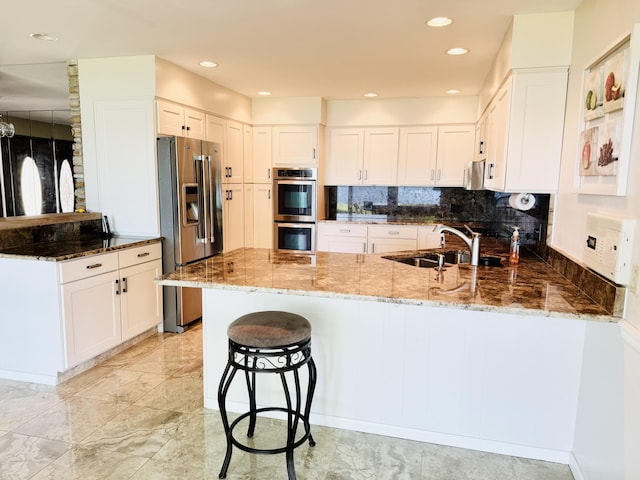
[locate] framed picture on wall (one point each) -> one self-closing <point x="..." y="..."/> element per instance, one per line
<point x="608" y="101"/>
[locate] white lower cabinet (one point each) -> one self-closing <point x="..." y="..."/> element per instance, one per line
<point x="341" y="237"/>
<point x="363" y="238"/>
<point x="258" y="215"/>
<point x="233" y="220"/>
<point x="107" y="299"/>
<point x="388" y="238"/>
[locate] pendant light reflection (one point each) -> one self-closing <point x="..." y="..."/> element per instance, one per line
<point x="31" y="187"/>
<point x="6" y="129"/>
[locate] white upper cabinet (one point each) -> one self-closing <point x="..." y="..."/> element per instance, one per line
<point x="215" y="129"/>
<point x="295" y="145"/>
<point x="247" y="153"/>
<point x="174" y="119"/>
<point x="261" y="138"/>
<point x="525" y="127"/>
<point x="233" y="158"/>
<point x="417" y="155"/>
<point x="362" y="156"/>
<point x="344" y="159"/>
<point x="380" y="165"/>
<point x="455" y="151"/>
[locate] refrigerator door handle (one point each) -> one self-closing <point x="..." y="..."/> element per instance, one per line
<point x="211" y="200"/>
<point x="203" y="204"/>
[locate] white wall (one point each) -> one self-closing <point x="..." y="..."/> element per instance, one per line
<point x="284" y="111"/>
<point x="407" y="111"/>
<point x="551" y="49"/>
<point x="181" y="86"/>
<point x="602" y="445"/>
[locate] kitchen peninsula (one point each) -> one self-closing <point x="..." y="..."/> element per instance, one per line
<point x="487" y="358"/>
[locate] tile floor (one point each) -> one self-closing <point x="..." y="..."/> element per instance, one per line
<point x="139" y="416"/>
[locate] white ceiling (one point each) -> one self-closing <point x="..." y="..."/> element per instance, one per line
<point x="336" y="49"/>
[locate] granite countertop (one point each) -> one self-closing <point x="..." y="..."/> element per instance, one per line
<point x="59" y="251"/>
<point x="530" y="288"/>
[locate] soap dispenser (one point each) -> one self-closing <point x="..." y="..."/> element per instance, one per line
<point x="514" y="248"/>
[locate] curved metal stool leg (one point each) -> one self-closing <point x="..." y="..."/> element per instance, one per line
<point x="225" y="383"/>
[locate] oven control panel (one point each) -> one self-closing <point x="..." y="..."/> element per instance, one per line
<point x="607" y="248"/>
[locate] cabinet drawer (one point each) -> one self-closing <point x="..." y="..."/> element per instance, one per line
<point x="342" y="229"/>
<point x="136" y="255"/>
<point x="390" y="231"/>
<point x="85" y="267"/>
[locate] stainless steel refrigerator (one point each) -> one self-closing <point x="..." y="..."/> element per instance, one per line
<point x="189" y="181"/>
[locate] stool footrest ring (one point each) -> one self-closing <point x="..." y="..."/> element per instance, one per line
<point x="267" y="451"/>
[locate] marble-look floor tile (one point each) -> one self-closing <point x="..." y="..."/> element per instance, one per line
<point x="71" y="420"/>
<point x="137" y="431"/>
<point x="83" y="380"/>
<point x="22" y="456"/>
<point x="122" y="385"/>
<point x="199" y="440"/>
<point x="363" y="456"/>
<point x="82" y="463"/>
<point x="139" y="416"/>
<point x="172" y="470"/>
<point x="19" y="405"/>
<point x="182" y="394"/>
<point x="448" y="463"/>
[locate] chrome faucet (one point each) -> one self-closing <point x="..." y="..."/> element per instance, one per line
<point x="473" y="242"/>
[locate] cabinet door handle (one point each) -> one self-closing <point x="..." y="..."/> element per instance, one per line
<point x="359" y="174"/>
<point x="366" y="174"/>
<point x="124" y="284"/>
<point x="117" y="287"/>
<point x="230" y="172"/>
<point x="481" y="149"/>
<point x="439" y="174"/>
<point x="490" y="173"/>
<point x="433" y="174"/>
<point x="94" y="265"/>
<point x="268" y="174"/>
<point x="269" y="194"/>
<point x="364" y="247"/>
<point x="345" y="230"/>
<point x="314" y="153"/>
<point x="394" y="232"/>
<point x="143" y="254"/>
<point x="373" y="248"/>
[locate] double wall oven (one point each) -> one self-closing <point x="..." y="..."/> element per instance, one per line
<point x="295" y="209"/>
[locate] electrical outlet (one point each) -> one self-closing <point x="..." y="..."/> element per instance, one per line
<point x="635" y="273"/>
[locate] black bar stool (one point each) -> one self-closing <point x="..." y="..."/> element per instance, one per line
<point x="270" y="342"/>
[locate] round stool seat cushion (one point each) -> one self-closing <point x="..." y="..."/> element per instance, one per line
<point x="269" y="329"/>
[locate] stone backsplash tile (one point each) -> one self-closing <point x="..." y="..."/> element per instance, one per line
<point x="488" y="212"/>
<point x="604" y="292"/>
<point x="75" y="230"/>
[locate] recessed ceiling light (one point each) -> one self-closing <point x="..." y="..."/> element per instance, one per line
<point x="208" y="64"/>
<point x="453" y="91"/>
<point x="457" y="51"/>
<point x="264" y="93"/>
<point x="370" y="95"/>
<point x="44" y="36"/>
<point x="439" y="22"/>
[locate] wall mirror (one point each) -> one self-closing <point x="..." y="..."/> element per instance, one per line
<point x="36" y="174"/>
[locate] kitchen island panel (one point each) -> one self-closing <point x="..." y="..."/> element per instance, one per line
<point x="31" y="344"/>
<point x="504" y="383"/>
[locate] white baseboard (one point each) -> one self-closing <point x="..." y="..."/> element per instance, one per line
<point x="575" y="468"/>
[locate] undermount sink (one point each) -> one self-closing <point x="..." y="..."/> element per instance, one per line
<point x="451" y="257"/>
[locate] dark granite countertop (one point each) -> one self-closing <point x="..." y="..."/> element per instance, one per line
<point x="66" y="250"/>
<point x="531" y="288"/>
